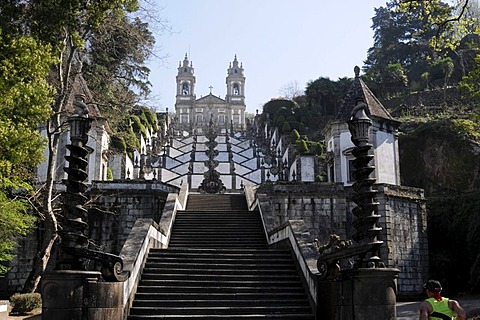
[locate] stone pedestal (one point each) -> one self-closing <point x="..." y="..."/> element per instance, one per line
<point x="78" y="295"/>
<point x="366" y="293"/>
<point x="374" y="293"/>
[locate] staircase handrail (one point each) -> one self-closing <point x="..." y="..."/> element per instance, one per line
<point x="144" y="235"/>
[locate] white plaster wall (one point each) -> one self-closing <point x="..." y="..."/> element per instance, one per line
<point x="255" y="176"/>
<point x="251" y="164"/>
<point x="200" y="156"/>
<point x="183" y="158"/>
<point x="308" y="168"/>
<point x="174" y="153"/>
<point x="227" y="181"/>
<point x="247" y="153"/>
<point x="199" y="167"/>
<point x="238" y="158"/>
<point x="168" y="175"/>
<point x="222" y="156"/>
<point x="223" y="168"/>
<point x="385" y="155"/>
<point x="169" y="163"/>
<point x="221" y="147"/>
<point x="293" y="168"/>
<point x="241" y="170"/>
<point x="184" y="148"/>
<point x="345" y="143"/>
<point x="200" y="147"/>
<point x="196" y="180"/>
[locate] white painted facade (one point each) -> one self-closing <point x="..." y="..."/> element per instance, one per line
<point x="385" y="150"/>
<point x="193" y="113"/>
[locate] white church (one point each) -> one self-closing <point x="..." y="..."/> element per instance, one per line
<point x="193" y="112"/>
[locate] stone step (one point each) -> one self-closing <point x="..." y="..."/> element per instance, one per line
<point x="217" y="266"/>
<point x="267" y="270"/>
<point x="217" y="289"/>
<point x="207" y="265"/>
<point x="216" y="202"/>
<point x="215" y="302"/>
<point x="224" y="252"/>
<point x="222" y="283"/>
<point x="189" y="296"/>
<point x="218" y="277"/>
<point x="228" y="310"/>
<point x="224" y="260"/>
<point x="220" y="244"/>
<point x="298" y="316"/>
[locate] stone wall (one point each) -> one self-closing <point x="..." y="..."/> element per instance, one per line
<point x="127" y="201"/>
<point x="327" y="208"/>
<point x="404" y="220"/>
<point x="122" y="202"/>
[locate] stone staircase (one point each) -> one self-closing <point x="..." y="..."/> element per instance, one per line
<point x="218" y="266"/>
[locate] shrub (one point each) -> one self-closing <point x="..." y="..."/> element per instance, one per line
<point x="118" y="143"/>
<point x="22" y="303"/>
<point x="302" y="146"/>
<point x="109" y="174"/>
<point x="295" y="135"/>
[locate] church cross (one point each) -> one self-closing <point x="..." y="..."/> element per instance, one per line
<point x="210" y="89"/>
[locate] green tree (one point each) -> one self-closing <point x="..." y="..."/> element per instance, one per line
<point x="470" y="83"/>
<point x="25" y="97"/>
<point x="406" y="34"/>
<point x="70" y="31"/>
<point x="115" y="69"/>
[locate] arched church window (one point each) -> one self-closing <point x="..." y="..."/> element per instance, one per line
<point x="236" y="89"/>
<point x="185" y="70"/>
<point x="235" y="71"/>
<point x="185" y="88"/>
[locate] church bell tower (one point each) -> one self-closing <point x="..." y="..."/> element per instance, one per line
<point x="236" y="93"/>
<point x="235" y="83"/>
<point x="185" y="97"/>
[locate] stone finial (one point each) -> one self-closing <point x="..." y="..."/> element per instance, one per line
<point x="357" y="71"/>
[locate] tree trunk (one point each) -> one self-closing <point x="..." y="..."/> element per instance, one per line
<point x="50" y="235"/>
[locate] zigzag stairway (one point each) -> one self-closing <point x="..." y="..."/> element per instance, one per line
<point x="218" y="266"/>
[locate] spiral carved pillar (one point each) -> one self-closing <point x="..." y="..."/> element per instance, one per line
<point x="73" y="219"/>
<point x="366" y="231"/>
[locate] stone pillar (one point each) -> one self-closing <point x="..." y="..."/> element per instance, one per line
<point x="78" y="295"/>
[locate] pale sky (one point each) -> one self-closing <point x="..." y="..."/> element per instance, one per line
<point x="278" y="42"/>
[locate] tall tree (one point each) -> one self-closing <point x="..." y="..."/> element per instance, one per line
<point x="115" y="66"/>
<point x="71" y="32"/>
<point x="407" y="36"/>
<point x="25" y="97"/>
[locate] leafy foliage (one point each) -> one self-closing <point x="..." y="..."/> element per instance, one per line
<point x="455" y="240"/>
<point x="115" y="68"/>
<point x="420" y="45"/>
<point x="78" y="31"/>
<point x="25" y="97"/>
<point x="470" y="83"/>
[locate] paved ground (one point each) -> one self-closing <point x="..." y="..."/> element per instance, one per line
<point x="405" y="310"/>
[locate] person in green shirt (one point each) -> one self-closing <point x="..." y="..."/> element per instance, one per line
<point x="437" y="307"/>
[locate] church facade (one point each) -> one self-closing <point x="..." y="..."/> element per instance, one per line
<point x="195" y="114"/>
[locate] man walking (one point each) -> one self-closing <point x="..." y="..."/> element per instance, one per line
<point x="437" y="307"/>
